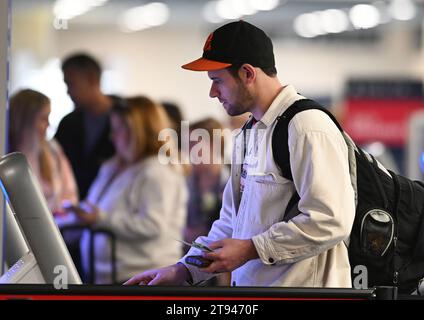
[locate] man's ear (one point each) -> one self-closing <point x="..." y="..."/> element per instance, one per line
<point x="247" y="73"/>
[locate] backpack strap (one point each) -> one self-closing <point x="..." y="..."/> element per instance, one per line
<point x="280" y="146"/>
<point x="247" y="126"/>
<point x="280" y="136"/>
<point x="373" y="170"/>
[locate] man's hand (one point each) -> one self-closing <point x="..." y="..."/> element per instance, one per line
<point x="176" y="274"/>
<point x="229" y="255"/>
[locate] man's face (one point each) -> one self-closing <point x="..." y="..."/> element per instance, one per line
<point x="80" y="86"/>
<point x="231" y="92"/>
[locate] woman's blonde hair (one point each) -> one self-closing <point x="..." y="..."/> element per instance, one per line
<point x="24" y="108"/>
<point x="145" y="119"/>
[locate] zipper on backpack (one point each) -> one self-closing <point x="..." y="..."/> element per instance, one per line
<point x="395" y="274"/>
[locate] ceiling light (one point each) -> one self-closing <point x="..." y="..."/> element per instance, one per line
<point x="402" y="9"/>
<point x="364" y="16"/>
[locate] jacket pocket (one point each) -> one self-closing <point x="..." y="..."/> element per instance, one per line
<point x="269" y="178"/>
<point x="265" y="197"/>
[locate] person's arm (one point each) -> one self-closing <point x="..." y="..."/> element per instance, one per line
<point x="319" y="163"/>
<point x="176" y="274"/>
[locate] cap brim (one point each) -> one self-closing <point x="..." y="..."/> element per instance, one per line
<point x="203" y="64"/>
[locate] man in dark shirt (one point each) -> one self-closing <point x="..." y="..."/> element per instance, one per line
<point x="84" y="133"/>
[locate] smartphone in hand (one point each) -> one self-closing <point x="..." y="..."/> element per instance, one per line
<point x="68" y="206"/>
<point x="198" y="261"/>
<point x="196" y="245"/>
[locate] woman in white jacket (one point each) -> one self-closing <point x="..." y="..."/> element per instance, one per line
<point x="141" y="201"/>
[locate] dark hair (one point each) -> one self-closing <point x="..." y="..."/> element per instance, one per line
<point x="83" y="62"/>
<point x="269" y="71"/>
<point x="175" y="115"/>
<point x="173" y="111"/>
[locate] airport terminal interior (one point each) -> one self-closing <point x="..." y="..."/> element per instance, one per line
<point x="77" y="199"/>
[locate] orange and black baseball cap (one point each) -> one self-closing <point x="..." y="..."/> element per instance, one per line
<point x="235" y="43"/>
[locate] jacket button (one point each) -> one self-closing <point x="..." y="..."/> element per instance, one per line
<point x="234" y="283"/>
<point x="271" y="260"/>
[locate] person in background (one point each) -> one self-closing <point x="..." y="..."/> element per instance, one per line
<point x="84" y="133"/>
<point x="28" y="123"/>
<point x="175" y="115"/>
<point x="206" y="184"/>
<point x="176" y="118"/>
<point x="136" y="197"/>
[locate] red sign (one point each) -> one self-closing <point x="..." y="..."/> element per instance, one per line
<point x="369" y="120"/>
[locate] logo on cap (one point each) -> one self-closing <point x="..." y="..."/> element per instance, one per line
<point x="208" y="43"/>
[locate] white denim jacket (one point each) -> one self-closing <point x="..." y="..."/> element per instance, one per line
<point x="307" y="251"/>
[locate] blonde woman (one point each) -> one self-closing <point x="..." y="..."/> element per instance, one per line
<point x="140" y="200"/>
<point x="28" y="123"/>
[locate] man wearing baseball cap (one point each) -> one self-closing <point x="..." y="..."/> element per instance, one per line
<point x="250" y="239"/>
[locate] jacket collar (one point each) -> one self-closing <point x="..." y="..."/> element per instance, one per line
<point x="287" y="96"/>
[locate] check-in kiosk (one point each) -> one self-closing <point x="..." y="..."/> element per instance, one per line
<point x="33" y="233"/>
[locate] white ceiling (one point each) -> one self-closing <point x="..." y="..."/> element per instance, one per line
<point x="187" y="13"/>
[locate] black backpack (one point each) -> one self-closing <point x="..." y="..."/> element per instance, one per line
<point x="388" y="230"/>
